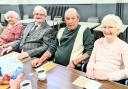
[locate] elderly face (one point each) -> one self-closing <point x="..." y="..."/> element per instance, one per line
<point x="109" y="29"/>
<point x="39" y="16"/>
<point x="11" y="19"/>
<point x="71" y="20"/>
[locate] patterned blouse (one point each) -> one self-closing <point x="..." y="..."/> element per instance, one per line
<point x="11" y="34"/>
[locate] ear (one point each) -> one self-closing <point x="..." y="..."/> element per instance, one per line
<point x="46" y="16"/>
<point x="78" y="17"/>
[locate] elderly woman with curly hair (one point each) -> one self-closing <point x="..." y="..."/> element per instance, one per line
<point x="109" y="58"/>
<point x="13" y="30"/>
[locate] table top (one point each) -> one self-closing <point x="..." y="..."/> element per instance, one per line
<point x="61" y="77"/>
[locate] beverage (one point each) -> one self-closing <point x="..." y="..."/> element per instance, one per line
<point x="17" y="72"/>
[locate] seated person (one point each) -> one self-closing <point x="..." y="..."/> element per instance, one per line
<point x="36" y="37"/>
<point x="13" y="31"/>
<point x="109" y="58"/>
<point x="14" y="84"/>
<point x="72" y="45"/>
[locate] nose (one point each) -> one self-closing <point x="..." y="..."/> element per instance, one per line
<point x="70" y="21"/>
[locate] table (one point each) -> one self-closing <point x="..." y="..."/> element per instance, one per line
<point x="62" y="77"/>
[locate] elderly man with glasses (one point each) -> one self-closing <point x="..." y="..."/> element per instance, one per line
<point x="72" y="45"/>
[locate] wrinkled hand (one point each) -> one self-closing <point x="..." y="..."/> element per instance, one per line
<point x="15" y="84"/>
<point x="90" y="73"/>
<point x="101" y="75"/>
<point x="6" y="50"/>
<point x="71" y="65"/>
<point x="23" y="55"/>
<point x="36" y="62"/>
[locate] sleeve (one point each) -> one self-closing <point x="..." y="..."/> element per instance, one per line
<point x="123" y="73"/>
<point x="14" y="34"/>
<point x="8" y="36"/>
<point x="92" y="59"/>
<point x="53" y="47"/>
<point x="19" y="30"/>
<point x="47" y="39"/>
<point x="16" y="45"/>
<point x="88" y="41"/>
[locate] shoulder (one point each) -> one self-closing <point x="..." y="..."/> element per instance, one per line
<point x="99" y="41"/>
<point x="19" y="25"/>
<point x="122" y="44"/>
<point x="46" y="26"/>
<point x="85" y="29"/>
<point x="30" y="25"/>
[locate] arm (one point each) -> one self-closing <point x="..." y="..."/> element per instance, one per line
<point x="88" y="41"/>
<point x="51" y="50"/>
<point x="47" y="38"/>
<point x="16" y="44"/>
<point x="123" y="73"/>
<point x="14" y="34"/>
<point x="8" y="44"/>
<point x="37" y="62"/>
<point x="18" y="31"/>
<point x="91" y="64"/>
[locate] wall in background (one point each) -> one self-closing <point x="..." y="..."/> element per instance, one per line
<point x="85" y="10"/>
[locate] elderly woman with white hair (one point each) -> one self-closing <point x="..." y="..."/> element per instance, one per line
<point x="109" y="58"/>
<point x="13" y="30"/>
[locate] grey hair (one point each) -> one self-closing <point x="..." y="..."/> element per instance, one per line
<point x="71" y="10"/>
<point x="114" y="18"/>
<point x="13" y="13"/>
<point x="40" y="8"/>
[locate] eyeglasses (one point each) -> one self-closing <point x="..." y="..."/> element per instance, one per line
<point x="109" y="27"/>
<point x="39" y="14"/>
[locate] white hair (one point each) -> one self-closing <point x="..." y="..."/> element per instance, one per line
<point x="11" y="13"/>
<point x="40" y="8"/>
<point x="71" y="10"/>
<point x="114" y="18"/>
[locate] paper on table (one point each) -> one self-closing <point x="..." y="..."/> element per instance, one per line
<point x="9" y="63"/>
<point x="86" y="83"/>
<point x="92" y="84"/>
<point x="81" y="81"/>
<point x="46" y="67"/>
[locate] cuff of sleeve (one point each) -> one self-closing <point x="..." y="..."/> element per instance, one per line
<point x="30" y="53"/>
<point x="51" y="50"/>
<point x="88" y="52"/>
